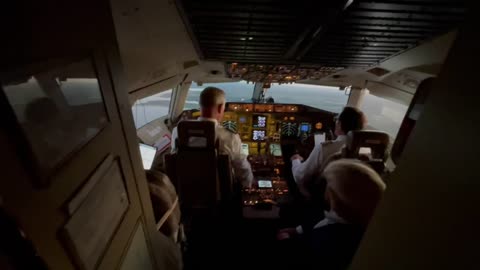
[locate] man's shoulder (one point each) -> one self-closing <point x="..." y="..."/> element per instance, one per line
<point x="227" y="138"/>
<point x="228" y="129"/>
<point x="226" y="132"/>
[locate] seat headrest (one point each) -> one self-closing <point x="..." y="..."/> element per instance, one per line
<point x="376" y="141"/>
<point x="196" y="135"/>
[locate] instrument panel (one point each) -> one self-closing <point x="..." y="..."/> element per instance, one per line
<point x="261" y="125"/>
<point x="266" y="130"/>
<point x="269" y="133"/>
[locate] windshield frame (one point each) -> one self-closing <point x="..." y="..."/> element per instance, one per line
<point x="326" y="98"/>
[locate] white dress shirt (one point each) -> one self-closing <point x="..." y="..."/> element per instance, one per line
<point x="330" y="218"/>
<point x="304" y="172"/>
<point x="229" y="144"/>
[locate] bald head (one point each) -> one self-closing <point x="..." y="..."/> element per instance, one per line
<point x="353" y="190"/>
<point x="212" y="103"/>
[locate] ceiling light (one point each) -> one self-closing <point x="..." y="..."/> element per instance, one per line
<point x="250" y="38"/>
<point x="243" y="38"/>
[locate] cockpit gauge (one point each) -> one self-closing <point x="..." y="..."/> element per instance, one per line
<point x="305" y="128"/>
<point x="258" y="135"/>
<point x="259" y="121"/>
<point x="275" y="150"/>
<point x="304" y="131"/>
<point x="289" y="129"/>
<point x="264" y="184"/>
<point x="276" y="137"/>
<point x="245" y="149"/>
<point x="248" y="107"/>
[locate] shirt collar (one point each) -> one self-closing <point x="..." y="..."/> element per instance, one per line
<point x="208" y="119"/>
<point x="330" y="218"/>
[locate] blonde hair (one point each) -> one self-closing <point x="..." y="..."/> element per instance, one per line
<point x="354" y="189"/>
<point x="212" y="96"/>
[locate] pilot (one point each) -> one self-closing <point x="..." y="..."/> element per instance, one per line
<point x="305" y="172"/>
<point x="353" y="192"/>
<point x="212" y="107"/>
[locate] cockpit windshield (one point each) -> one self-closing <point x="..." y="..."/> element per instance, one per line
<point x="234" y="91"/>
<point x="317" y="96"/>
<point x="320" y="97"/>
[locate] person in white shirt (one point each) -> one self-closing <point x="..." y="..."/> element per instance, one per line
<point x="309" y="170"/>
<point x="212" y="108"/>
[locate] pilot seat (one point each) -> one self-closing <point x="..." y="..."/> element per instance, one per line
<point x="369" y="146"/>
<point x="203" y="178"/>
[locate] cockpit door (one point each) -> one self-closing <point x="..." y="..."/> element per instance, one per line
<point x="72" y="176"/>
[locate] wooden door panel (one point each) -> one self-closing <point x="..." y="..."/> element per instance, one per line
<point x="43" y="212"/>
<point x="57" y="34"/>
<point x="111" y="142"/>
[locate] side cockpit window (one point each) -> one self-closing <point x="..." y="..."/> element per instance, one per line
<point x="383" y="114"/>
<point x="150" y="108"/>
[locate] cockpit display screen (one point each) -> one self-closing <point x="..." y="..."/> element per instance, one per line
<point x="304" y="127"/>
<point x="258" y="135"/>
<point x="264" y="184"/>
<point x="245" y="149"/>
<point x="147" y="153"/>
<point x="259" y="121"/>
<point x="275" y="150"/>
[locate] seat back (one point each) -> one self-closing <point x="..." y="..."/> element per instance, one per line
<point x="375" y="142"/>
<point x="201" y="176"/>
<point x="196" y="164"/>
<point x="196" y="136"/>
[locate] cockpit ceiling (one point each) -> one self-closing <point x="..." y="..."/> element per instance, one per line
<point x="268" y="74"/>
<point x="330" y="34"/>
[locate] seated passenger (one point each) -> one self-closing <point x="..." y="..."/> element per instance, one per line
<point x="212" y="107"/>
<point x="304" y="173"/>
<point x="164" y="203"/>
<point x="353" y="192"/>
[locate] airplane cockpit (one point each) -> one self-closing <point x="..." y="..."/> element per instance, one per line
<point x="131" y="175"/>
<point x="382" y="80"/>
<point x="280" y="106"/>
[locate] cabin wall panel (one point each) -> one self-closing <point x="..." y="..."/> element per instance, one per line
<point x="429" y="217"/>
